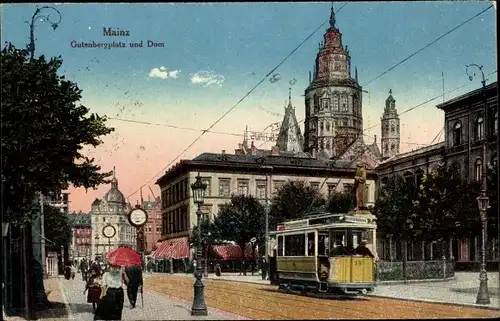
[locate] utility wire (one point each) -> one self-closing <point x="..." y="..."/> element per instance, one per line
<point x="429" y="44"/>
<point x="234" y="106"/>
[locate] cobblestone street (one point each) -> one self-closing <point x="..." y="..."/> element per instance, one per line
<point x="156" y="306"/>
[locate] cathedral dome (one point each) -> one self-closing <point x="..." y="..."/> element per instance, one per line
<point x="114" y="195"/>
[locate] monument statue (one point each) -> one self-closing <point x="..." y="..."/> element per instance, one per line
<point x="360" y="187"/>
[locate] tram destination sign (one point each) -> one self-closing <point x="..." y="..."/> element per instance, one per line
<point x="352" y="219"/>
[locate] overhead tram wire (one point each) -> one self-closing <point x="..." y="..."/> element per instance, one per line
<point x="429" y="44"/>
<point x="235" y="105"/>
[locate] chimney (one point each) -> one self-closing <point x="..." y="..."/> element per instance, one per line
<point x="253" y="148"/>
<point x="275" y="150"/>
<point x="223" y="152"/>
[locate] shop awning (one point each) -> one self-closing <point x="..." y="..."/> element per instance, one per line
<point x="231" y="251"/>
<point x="177" y="248"/>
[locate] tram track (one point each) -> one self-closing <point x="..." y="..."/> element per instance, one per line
<point x="268" y="302"/>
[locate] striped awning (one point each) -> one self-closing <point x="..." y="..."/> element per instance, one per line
<point x="231" y="251"/>
<point x="177" y="248"/>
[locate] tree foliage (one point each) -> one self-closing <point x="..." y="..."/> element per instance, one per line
<point x="341" y="202"/>
<point x="206" y="226"/>
<point x="57" y="228"/>
<point x="394" y="209"/>
<point x="44" y="128"/>
<point x="492" y="181"/>
<point x="447" y="204"/>
<point x="292" y="201"/>
<point x="240" y="220"/>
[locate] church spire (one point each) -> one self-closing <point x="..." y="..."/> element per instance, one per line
<point x="332" y="18"/>
<point x="114" y="181"/>
<point x="289" y="96"/>
<point x="356" y="74"/>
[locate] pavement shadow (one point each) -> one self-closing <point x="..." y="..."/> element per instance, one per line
<point x="491" y="290"/>
<point x="331" y="296"/>
<point x="58" y="310"/>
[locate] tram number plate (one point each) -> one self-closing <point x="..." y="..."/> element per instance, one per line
<point x="358" y="263"/>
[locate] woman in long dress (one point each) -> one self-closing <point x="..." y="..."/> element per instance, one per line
<point x="94" y="289"/>
<point x="110" y="306"/>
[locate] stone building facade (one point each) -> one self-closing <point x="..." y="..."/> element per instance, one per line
<point x="465" y="134"/>
<point x="112" y="210"/>
<point x="81" y="243"/>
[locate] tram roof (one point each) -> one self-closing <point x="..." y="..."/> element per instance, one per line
<point x="327" y="220"/>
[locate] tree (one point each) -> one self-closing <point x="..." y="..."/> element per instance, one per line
<point x="206" y="226"/>
<point x="44" y="129"/>
<point x="492" y="176"/>
<point x="447" y="204"/>
<point x="292" y="201"/>
<point x="394" y="209"/>
<point x="240" y="220"/>
<point x="340" y="202"/>
<point x="57" y="228"/>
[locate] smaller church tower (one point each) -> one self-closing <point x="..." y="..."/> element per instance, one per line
<point x="290" y="137"/>
<point x="390" y="128"/>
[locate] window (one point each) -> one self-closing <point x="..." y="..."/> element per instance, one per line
<point x="479" y="128"/>
<point x="457" y="133"/>
<point x="347" y="187"/>
<point x="295" y="245"/>
<point x="331" y="189"/>
<point x="478" y="170"/>
<point x="310" y="245"/>
<point x="277" y="185"/>
<point x="322" y="244"/>
<point x="315" y="186"/>
<point x="336" y="102"/>
<point x="260" y="191"/>
<point x="243" y="187"/>
<point x="393" y="147"/>
<point x="325" y="104"/>
<point x="343" y="103"/>
<point x="495" y="124"/>
<point x="327" y="145"/>
<point x="327" y="126"/>
<point x="344" y="122"/>
<point x="279" y="251"/>
<point x="208" y="191"/>
<point x="386" y="148"/>
<point x="321" y="126"/>
<point x="224" y="187"/>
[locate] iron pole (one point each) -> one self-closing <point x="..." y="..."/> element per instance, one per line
<point x="199" y="307"/>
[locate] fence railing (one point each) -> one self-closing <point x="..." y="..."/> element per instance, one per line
<point x="414" y="270"/>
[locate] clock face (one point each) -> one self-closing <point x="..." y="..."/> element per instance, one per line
<point x="109" y="231"/>
<point x="138" y="217"/>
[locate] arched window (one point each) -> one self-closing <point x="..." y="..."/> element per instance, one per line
<point x="393" y="147"/>
<point x="322" y="145"/>
<point x="478" y="169"/>
<point x="344" y="122"/>
<point x="393" y="128"/>
<point x="479" y="128"/>
<point x="386" y="147"/>
<point x="321" y="126"/>
<point x="328" y="145"/>
<point x="327" y="126"/>
<point x="457" y="134"/>
<point x="419" y="176"/>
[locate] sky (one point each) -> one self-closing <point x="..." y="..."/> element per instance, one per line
<point x="209" y="56"/>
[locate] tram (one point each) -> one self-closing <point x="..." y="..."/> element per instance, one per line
<point x="305" y="258"/>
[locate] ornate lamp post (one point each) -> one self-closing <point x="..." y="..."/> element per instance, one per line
<point x="38" y="14"/>
<point x="207" y="244"/>
<point x="483" y="297"/>
<point x="199" y="307"/>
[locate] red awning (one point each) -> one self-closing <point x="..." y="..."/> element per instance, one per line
<point x="177" y="248"/>
<point x="227" y="251"/>
<point x="231" y="251"/>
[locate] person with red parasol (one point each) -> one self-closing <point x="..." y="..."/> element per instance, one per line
<point x="110" y="306"/>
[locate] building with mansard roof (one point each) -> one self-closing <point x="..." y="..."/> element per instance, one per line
<point x="112" y="210"/>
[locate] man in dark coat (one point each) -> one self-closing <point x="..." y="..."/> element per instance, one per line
<point x="84" y="266"/>
<point x="363" y="250"/>
<point x="134" y="276"/>
<point x="338" y="250"/>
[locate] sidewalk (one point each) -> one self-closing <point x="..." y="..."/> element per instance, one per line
<point x="462" y="290"/>
<point x="156" y="306"/>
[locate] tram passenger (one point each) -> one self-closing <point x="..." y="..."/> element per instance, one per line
<point x="363" y="250"/>
<point x="338" y="250"/>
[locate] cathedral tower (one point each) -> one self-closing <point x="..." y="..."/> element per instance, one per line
<point x="390" y="128"/>
<point x="333" y="98"/>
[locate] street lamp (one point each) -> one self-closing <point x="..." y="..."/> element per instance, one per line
<point x="36" y="15"/>
<point x="483" y="297"/>
<point x="207" y="244"/>
<point x="199" y="307"/>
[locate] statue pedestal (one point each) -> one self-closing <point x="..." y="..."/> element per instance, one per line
<point x="362" y="211"/>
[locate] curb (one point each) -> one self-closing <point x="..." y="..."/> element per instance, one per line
<point x="468" y="305"/>
<point x="414" y="281"/>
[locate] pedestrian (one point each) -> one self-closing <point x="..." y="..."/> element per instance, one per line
<point x="67" y="271"/>
<point x="134" y="281"/>
<point x="84" y="268"/>
<point x="94" y="288"/>
<point x="338" y="250"/>
<point x="73" y="271"/>
<point x="363" y="250"/>
<point x="110" y="307"/>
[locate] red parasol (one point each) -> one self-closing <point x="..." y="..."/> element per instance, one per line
<point x="124" y="256"/>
